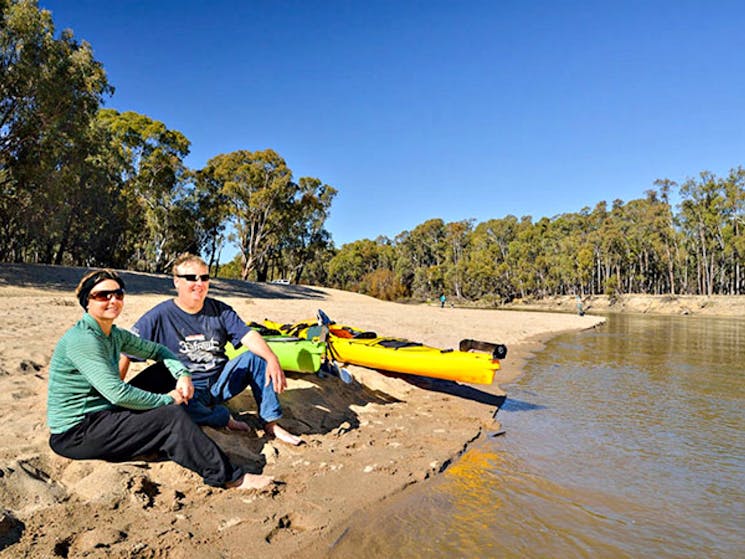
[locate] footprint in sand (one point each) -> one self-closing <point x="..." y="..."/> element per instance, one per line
<point x="28" y="366"/>
<point x="27" y="486"/>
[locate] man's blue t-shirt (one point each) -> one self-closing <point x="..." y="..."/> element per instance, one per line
<point x="198" y="340"/>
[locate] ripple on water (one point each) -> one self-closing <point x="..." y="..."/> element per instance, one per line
<point x="623" y="441"/>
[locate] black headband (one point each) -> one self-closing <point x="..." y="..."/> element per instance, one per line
<point x="93" y="281"/>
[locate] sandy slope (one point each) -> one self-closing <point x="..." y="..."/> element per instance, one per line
<point x="684" y="305"/>
<point x="365" y="441"/>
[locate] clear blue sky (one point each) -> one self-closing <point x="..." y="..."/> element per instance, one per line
<point x="451" y="109"/>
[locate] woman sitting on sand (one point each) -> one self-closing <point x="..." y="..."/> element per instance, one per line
<point x="93" y="414"/>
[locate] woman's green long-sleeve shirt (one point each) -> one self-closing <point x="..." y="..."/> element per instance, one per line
<point x="84" y="374"/>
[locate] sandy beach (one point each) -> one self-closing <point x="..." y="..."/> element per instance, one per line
<point x="365" y="441"/>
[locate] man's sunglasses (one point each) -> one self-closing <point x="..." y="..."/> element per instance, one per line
<point x="194" y="277"/>
<point x="107" y="295"/>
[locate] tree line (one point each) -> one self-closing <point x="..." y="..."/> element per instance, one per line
<point x="92" y="186"/>
<point x="639" y="246"/>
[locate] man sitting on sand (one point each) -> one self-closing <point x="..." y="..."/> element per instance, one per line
<point x="196" y="328"/>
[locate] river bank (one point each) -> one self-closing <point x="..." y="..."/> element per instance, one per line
<point x="365" y="441"/>
<point x="715" y="305"/>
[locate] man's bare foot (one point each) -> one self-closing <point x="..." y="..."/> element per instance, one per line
<point x="251" y="481"/>
<point x="282" y="434"/>
<point x="235" y="425"/>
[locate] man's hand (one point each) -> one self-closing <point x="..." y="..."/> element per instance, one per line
<point x="275" y="374"/>
<point x="185" y="387"/>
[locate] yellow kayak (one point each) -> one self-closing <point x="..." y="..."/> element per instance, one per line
<point x="353" y="346"/>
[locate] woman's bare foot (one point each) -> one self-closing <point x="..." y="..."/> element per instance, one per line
<point x="251" y="481"/>
<point x="282" y="434"/>
<point x="235" y="425"/>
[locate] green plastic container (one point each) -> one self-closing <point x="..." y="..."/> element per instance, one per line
<point x="295" y="354"/>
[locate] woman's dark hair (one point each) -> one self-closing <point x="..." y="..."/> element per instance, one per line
<point x="91" y="279"/>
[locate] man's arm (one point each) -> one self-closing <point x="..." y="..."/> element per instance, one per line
<point x="256" y="345"/>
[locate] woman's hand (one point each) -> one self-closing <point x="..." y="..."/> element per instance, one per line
<point x="177" y="397"/>
<point x="185" y="387"/>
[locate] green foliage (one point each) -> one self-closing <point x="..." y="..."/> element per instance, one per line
<point x="50" y="89"/>
<point x="349" y="267"/>
<point x="256" y="186"/>
<point x="711" y="219"/>
<point x="301" y="237"/>
<point x="637" y="246"/>
<point x="149" y="165"/>
<point x="91" y="186"/>
<point x="382" y="284"/>
<point x="612" y="288"/>
<point x="279" y="223"/>
<point x="231" y="270"/>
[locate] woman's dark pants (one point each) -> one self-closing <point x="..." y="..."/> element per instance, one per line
<point x="119" y="435"/>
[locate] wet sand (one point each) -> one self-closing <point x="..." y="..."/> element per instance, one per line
<point x="365" y="441"/>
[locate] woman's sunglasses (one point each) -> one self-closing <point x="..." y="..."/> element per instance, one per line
<point x="194" y="277"/>
<point x="107" y="295"/>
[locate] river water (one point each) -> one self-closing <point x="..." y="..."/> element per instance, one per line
<point x="623" y="441"/>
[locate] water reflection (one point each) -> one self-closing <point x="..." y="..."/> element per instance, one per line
<point x="624" y="441"/>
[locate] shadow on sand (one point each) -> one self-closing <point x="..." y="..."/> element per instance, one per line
<point x="317" y="410"/>
<point x="452" y="388"/>
<point x="66" y="278"/>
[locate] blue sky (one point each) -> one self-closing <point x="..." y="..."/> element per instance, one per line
<point x="422" y="109"/>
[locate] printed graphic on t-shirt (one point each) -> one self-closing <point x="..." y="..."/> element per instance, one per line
<point x="200" y="350"/>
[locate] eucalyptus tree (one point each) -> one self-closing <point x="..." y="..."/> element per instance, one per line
<point x="258" y="187"/>
<point x="302" y="235"/>
<point x="635" y="234"/>
<point x="614" y="248"/>
<point x="315" y="271"/>
<point x="669" y="237"/>
<point x="556" y="255"/>
<point x="596" y="219"/>
<point x="488" y="269"/>
<point x="584" y="255"/>
<point x="457" y="244"/>
<point x="155" y="184"/>
<point x="403" y="265"/>
<point x="659" y="255"/>
<point x="212" y="216"/>
<point x="382" y="282"/>
<point x="702" y="215"/>
<point x="733" y="230"/>
<point x="92" y="219"/>
<point x="524" y="256"/>
<point x="570" y="252"/>
<point x="354" y="261"/>
<point x="50" y="89"/>
<point x="423" y="249"/>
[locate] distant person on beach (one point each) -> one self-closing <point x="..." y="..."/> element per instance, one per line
<point x="196" y="328"/>
<point x="93" y="414"/>
<point x="580" y="307"/>
<point x="442" y="300"/>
